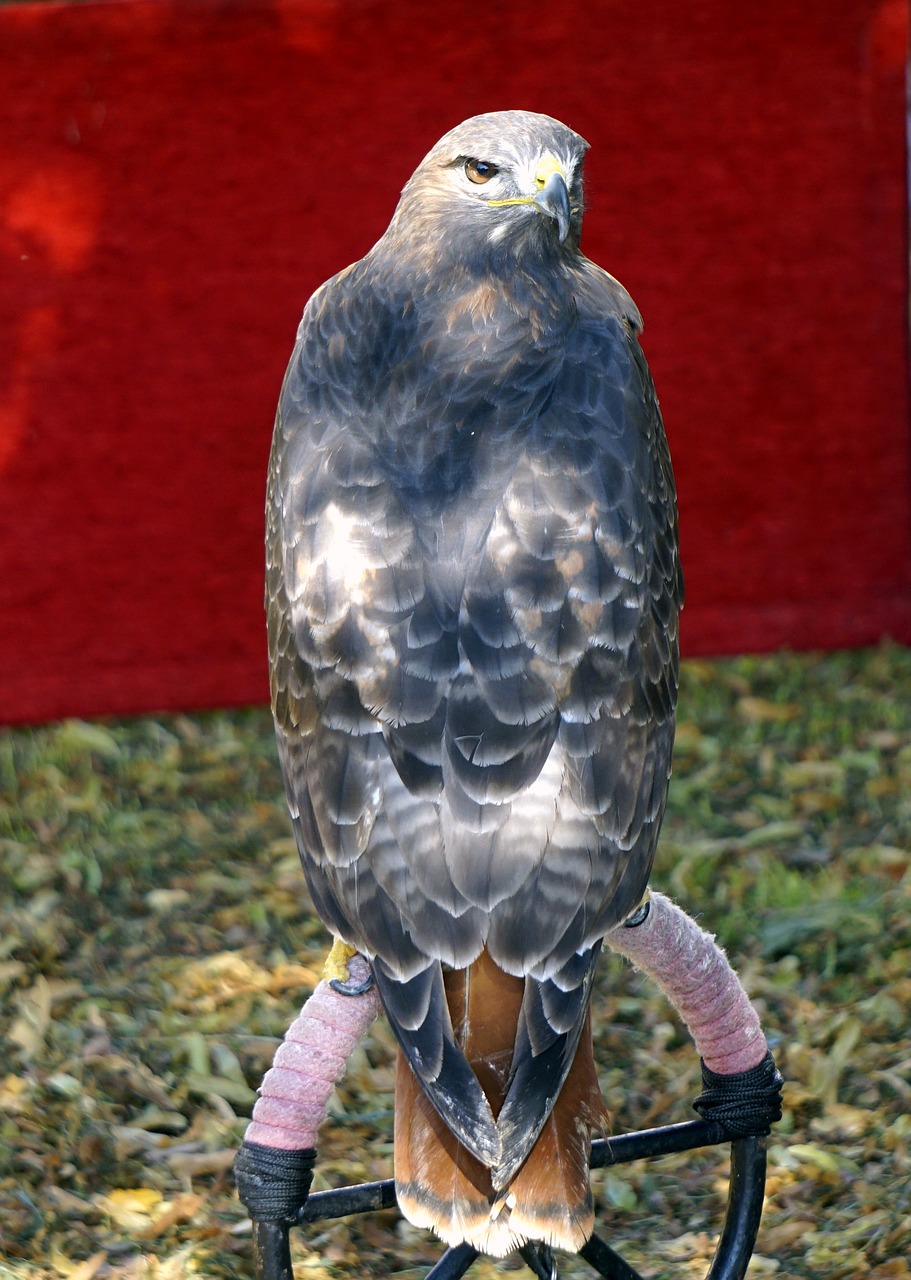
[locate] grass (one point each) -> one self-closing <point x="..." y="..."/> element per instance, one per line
<point x="156" y="939"/>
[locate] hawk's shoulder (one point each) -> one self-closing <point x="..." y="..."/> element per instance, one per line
<point x="600" y="295"/>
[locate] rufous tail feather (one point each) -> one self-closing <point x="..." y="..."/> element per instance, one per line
<point x="442" y="1186"/>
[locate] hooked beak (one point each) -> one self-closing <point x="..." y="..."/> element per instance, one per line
<point x="553" y="200"/>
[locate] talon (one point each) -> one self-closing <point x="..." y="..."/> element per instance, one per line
<point x="337" y="973"/>
<point x="640" y="915"/>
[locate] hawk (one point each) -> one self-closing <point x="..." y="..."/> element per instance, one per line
<point x="473" y="589"/>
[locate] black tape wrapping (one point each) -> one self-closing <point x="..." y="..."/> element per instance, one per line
<point x="746" y="1103"/>
<point x="273" y="1184"/>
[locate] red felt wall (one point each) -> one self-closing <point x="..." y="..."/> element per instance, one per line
<point x="175" y="179"/>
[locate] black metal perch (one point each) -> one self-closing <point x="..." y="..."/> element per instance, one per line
<point x="732" y="1255"/>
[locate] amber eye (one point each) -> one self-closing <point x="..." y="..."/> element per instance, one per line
<point x="480" y="171"/>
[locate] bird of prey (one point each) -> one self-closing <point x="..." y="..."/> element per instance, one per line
<point x="473" y="589"/>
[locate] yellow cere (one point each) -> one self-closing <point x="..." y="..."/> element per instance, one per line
<point x="548" y="166"/>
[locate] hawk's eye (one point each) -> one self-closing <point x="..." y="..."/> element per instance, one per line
<point x="480" y="171"/>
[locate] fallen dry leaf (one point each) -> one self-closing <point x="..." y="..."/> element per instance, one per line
<point x="84" y="1270"/>
<point x="182" y="1209"/>
<point x="30" y="1027"/>
<point x="195" y="1165"/>
<point x="130" y="1208"/>
<point x="762" y="711"/>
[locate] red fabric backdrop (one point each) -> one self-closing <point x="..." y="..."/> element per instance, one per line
<point x="175" y="179"/>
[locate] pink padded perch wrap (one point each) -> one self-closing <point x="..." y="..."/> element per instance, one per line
<point x="295" y="1092"/>
<point x="694" y="974"/>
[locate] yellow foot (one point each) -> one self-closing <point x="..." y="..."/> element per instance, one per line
<point x="335" y="968"/>
<point x="337" y="973"/>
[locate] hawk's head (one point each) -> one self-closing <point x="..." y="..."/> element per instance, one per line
<point x="510" y="179"/>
